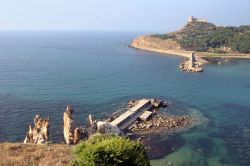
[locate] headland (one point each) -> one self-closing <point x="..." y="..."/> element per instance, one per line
<point x="202" y="39"/>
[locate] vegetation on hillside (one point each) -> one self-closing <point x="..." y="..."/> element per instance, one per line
<point x="108" y="150"/>
<point x="202" y="36"/>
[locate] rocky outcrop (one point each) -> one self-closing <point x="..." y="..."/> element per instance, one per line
<point x="72" y="134"/>
<point x="69" y="125"/>
<point x="79" y="134"/>
<point x="104" y="127"/>
<point x="39" y="134"/>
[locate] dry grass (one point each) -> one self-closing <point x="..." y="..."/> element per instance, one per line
<point x="16" y="154"/>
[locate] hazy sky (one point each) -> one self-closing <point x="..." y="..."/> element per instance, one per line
<point x="133" y="15"/>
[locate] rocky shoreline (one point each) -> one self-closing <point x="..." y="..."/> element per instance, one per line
<point x="160" y="123"/>
<point x="149" y="122"/>
<point x="148" y="119"/>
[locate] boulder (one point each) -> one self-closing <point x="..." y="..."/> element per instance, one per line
<point x="107" y="128"/>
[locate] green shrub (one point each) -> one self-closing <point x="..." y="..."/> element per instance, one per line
<point x="110" y="150"/>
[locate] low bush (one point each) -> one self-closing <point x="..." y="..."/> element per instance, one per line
<point x="110" y="150"/>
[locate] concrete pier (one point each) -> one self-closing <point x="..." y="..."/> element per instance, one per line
<point x="127" y="118"/>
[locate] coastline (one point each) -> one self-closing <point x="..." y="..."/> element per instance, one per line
<point x="144" y="130"/>
<point x="147" y="43"/>
<point x="160" y="46"/>
<point x="185" y="54"/>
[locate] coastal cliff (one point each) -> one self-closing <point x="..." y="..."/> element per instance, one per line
<point x="158" y="45"/>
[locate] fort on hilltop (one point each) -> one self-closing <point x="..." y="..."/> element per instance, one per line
<point x="192" y="19"/>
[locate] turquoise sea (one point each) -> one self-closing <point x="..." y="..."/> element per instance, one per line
<point x="97" y="73"/>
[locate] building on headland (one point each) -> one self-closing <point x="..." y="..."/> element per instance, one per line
<point x="192" y="19"/>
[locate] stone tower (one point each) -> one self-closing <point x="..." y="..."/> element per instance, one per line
<point x="190" y="19"/>
<point x="191" y="60"/>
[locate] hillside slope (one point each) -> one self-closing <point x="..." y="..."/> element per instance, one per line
<point x="13" y="154"/>
<point x="200" y="36"/>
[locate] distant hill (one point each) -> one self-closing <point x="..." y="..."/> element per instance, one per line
<point x="202" y="36"/>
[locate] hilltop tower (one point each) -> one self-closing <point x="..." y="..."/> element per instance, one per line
<point x="192" y="19"/>
<point x="191" y="60"/>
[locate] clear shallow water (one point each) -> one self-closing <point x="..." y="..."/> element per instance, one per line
<point x="40" y="73"/>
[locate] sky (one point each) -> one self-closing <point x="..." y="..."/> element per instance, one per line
<point x="118" y="15"/>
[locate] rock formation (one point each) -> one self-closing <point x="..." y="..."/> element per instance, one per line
<point x="69" y="125"/>
<point x="39" y="134"/>
<point x="72" y="133"/>
<point x="107" y="128"/>
<point x="92" y="121"/>
<point x="79" y="135"/>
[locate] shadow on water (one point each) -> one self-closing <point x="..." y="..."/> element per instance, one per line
<point x="159" y="145"/>
<point x="200" y="162"/>
<point x="204" y="146"/>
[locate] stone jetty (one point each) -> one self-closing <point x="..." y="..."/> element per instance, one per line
<point x="144" y="117"/>
<point x="127" y="118"/>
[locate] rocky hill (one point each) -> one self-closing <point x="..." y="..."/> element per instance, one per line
<point x="201" y="36"/>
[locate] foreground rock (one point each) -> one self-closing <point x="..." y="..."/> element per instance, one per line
<point x="68" y="125"/>
<point x="72" y="134"/>
<point x="39" y="134"/>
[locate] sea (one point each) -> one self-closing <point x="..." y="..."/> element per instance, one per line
<point x="98" y="73"/>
